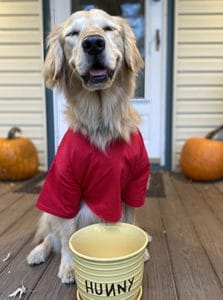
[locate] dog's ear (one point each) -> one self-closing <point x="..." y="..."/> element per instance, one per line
<point x="54" y="62"/>
<point x="132" y="55"/>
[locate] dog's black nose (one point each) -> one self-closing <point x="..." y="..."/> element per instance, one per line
<point x="93" y="44"/>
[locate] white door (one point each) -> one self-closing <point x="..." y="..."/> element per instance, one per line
<point x="148" y="20"/>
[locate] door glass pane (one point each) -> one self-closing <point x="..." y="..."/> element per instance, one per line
<point x="134" y="12"/>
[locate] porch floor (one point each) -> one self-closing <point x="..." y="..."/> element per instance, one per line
<point x="186" y="224"/>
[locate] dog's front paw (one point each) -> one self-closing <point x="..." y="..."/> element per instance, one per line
<point x="37" y="256"/>
<point x="146" y="255"/>
<point x="149" y="237"/>
<point x="66" y="274"/>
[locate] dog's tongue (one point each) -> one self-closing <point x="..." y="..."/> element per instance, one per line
<point x="98" y="72"/>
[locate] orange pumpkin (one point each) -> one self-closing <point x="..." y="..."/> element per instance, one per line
<point x="202" y="159"/>
<point x="18" y="157"/>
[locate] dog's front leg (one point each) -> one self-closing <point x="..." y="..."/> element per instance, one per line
<point x="66" y="269"/>
<point x="129" y="217"/>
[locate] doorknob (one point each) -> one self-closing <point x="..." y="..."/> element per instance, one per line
<point x="157" y="39"/>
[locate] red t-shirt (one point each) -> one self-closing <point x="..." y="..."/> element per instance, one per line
<point x="102" y="180"/>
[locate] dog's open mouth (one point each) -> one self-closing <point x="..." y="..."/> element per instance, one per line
<point x="98" y="74"/>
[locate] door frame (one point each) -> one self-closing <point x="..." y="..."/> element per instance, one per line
<point x="59" y="9"/>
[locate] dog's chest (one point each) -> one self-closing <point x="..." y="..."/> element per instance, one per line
<point x="117" y="164"/>
<point x="87" y="165"/>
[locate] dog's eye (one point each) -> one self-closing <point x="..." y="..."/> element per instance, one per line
<point x="73" y="33"/>
<point x="108" y="28"/>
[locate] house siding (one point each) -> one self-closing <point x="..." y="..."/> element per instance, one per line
<point x="198" y="71"/>
<point x="22" y="91"/>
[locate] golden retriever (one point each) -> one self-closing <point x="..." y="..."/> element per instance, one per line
<point x="94" y="60"/>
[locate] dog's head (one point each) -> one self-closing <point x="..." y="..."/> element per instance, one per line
<point x="94" y="46"/>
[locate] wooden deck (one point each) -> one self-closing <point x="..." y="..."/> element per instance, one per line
<point x="186" y="251"/>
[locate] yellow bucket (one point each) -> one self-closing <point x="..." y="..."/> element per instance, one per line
<point x="109" y="261"/>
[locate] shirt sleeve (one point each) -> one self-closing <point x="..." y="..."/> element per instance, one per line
<point x="61" y="192"/>
<point x="135" y="191"/>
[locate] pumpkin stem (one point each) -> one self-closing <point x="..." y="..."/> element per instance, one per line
<point x="12" y="132"/>
<point x="212" y="133"/>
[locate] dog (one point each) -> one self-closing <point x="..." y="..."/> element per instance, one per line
<point x="101" y="169"/>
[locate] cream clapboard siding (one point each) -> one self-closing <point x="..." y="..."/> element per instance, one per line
<point x="198" y="70"/>
<point x="22" y="92"/>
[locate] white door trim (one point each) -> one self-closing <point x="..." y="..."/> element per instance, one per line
<point x="164" y="82"/>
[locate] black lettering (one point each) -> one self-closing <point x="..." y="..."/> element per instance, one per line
<point x="89" y="287"/>
<point x="130" y="283"/>
<point x="100" y="290"/>
<point x="111" y="290"/>
<point x="122" y="288"/>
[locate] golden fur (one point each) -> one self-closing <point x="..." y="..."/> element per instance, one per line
<point x="100" y="110"/>
<point x="103" y="113"/>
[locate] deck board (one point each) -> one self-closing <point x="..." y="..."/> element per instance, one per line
<point x="213" y="198"/>
<point x="208" y="228"/>
<point x="194" y="275"/>
<point x="17" y="235"/>
<point x="15" y="211"/>
<point x="6" y="187"/>
<point x="52" y="289"/>
<point x="186" y="251"/>
<point x="19" y="272"/>
<point x="158" y="281"/>
<point x="8" y="199"/>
